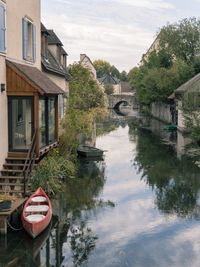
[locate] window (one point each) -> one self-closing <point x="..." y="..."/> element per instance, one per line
<point x="29" y="40"/>
<point x="2" y="28"/>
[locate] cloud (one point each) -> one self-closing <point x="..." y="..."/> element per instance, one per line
<point x="148" y="4"/>
<point x="118" y="31"/>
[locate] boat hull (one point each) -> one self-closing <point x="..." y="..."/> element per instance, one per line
<point x="89" y="152"/>
<point x="35" y="228"/>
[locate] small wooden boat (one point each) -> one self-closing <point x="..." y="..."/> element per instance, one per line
<point x="170" y="127"/>
<point x="37" y="213"/>
<point x="89" y="151"/>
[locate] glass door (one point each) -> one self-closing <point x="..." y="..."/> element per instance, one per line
<point x="47" y="121"/>
<point x="20" y="114"/>
<point x="42" y="122"/>
<point x="51" y="120"/>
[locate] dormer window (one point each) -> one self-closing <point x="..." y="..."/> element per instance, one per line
<point x="2" y="28"/>
<point x="29" y="40"/>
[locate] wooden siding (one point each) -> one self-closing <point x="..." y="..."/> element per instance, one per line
<point x="18" y="84"/>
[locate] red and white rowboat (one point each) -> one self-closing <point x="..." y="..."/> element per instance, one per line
<point x="37" y="213"/>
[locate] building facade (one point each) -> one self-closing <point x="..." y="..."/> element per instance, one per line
<point x="28" y="97"/>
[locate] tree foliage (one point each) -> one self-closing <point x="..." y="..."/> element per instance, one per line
<point x="86" y="103"/>
<point x="109" y="90"/>
<point x="182" y="39"/>
<point x="85" y="93"/>
<point x="175" y="62"/>
<point x="103" y="68"/>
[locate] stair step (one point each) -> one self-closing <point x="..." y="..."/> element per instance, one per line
<point x="13" y="191"/>
<point x="11" y="170"/>
<point x="16" y="165"/>
<point x="16" y="159"/>
<point x="11" y="184"/>
<point x="11" y="177"/>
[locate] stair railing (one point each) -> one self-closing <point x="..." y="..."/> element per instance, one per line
<point x="30" y="161"/>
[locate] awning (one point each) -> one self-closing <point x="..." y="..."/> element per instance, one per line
<point x="36" y="78"/>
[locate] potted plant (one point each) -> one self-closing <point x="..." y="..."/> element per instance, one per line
<point x="6" y="202"/>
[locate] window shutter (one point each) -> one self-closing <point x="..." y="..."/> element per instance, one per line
<point x="34" y="42"/>
<point x="25" y="38"/>
<point x="2" y="29"/>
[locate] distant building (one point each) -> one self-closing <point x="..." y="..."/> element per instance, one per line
<point x="87" y="63"/>
<point x="154" y="47"/>
<point x="108" y="79"/>
<point x="54" y="64"/>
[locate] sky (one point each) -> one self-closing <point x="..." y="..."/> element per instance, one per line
<point x="118" y="31"/>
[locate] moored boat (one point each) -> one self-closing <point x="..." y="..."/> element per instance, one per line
<point x="37" y="213"/>
<point x="89" y="151"/>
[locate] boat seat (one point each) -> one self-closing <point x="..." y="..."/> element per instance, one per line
<point x="35" y="218"/>
<point x="39" y="199"/>
<point x="37" y="208"/>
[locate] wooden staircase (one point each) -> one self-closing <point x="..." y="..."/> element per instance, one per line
<point x="12" y="176"/>
<point x="16" y="173"/>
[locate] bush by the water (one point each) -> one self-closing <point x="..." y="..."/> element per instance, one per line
<point x="51" y="171"/>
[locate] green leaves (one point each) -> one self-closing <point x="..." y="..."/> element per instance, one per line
<point x="173" y="63"/>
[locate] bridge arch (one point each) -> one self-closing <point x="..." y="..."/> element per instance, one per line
<point x="118" y="104"/>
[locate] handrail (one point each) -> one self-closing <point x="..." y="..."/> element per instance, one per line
<point x="30" y="159"/>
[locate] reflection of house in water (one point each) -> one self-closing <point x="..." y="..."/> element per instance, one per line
<point x="177" y="139"/>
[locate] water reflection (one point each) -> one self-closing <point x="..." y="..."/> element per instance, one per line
<point x="176" y="182"/>
<point x="138" y="207"/>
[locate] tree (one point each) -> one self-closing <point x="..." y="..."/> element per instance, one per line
<point x="124" y="76"/>
<point x="182" y="39"/>
<point x="85" y="93"/>
<point x="115" y="72"/>
<point x="109" y="90"/>
<point x="102" y="67"/>
<point x="156" y="84"/>
<point x="86" y="103"/>
<point x="174" y="62"/>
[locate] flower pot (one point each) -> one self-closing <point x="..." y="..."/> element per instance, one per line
<point x="5" y="205"/>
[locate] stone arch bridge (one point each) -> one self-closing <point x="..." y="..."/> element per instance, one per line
<point x="128" y="99"/>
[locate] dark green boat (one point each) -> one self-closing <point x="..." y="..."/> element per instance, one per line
<point x="89" y="151"/>
<point x="169" y="127"/>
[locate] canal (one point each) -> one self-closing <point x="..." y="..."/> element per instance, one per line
<point x="140" y="207"/>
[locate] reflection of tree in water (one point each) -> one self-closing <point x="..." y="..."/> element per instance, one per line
<point x="82" y="241"/>
<point x="176" y="182"/>
<point x="79" y="200"/>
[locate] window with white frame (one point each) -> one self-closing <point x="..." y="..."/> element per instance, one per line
<point x="29" y="40"/>
<point x="2" y="27"/>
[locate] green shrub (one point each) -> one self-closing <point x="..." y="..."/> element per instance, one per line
<point x="51" y="171"/>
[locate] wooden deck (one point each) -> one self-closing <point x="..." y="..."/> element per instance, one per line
<point x="4" y="215"/>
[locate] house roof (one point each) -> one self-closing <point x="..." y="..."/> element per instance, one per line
<point x="109" y="79"/>
<point x="63" y="52"/>
<point x="83" y="56"/>
<point x="37" y="78"/>
<point x="53" y="38"/>
<point x="44" y="29"/>
<point x="50" y="63"/>
<point x="126" y="87"/>
<point x="188" y="85"/>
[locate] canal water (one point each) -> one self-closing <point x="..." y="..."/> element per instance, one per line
<point x="140" y="207"/>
